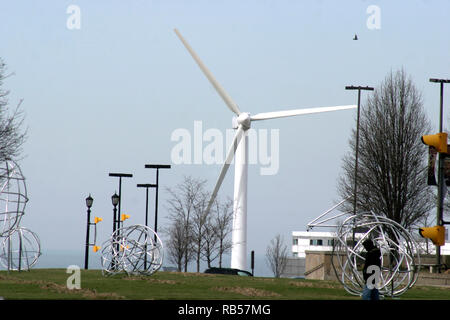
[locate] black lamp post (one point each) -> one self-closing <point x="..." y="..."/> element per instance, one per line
<point x="115" y="201"/>
<point x="157" y="167"/>
<point x="89" y="201"/>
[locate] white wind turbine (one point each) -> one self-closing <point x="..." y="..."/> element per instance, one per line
<point x="239" y="150"/>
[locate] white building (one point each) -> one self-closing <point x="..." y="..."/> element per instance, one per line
<point x="310" y="240"/>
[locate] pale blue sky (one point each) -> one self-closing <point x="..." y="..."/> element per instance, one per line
<point x="106" y="97"/>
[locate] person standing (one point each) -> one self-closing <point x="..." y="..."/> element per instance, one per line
<point x="373" y="258"/>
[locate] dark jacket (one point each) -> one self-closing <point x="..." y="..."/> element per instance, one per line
<point x="373" y="257"/>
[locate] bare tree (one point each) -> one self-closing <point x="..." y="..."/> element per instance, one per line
<point x="210" y="252"/>
<point x="392" y="165"/>
<point x="276" y="255"/>
<point x="199" y="226"/>
<point x="222" y="227"/>
<point x="193" y="233"/>
<point x="182" y="205"/>
<point x="12" y="137"/>
<point x="176" y="243"/>
<point x="218" y="229"/>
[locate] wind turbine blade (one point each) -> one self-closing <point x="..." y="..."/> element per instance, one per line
<point x="297" y="112"/>
<point x="230" y="103"/>
<point x="226" y="165"/>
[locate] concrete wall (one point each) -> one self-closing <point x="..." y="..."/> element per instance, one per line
<point x="318" y="265"/>
<point x="431" y="259"/>
<point x="433" y="279"/>
<point x="295" y="267"/>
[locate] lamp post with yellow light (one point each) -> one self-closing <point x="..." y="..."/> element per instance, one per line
<point x="89" y="202"/>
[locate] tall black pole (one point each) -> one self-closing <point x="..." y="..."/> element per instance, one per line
<point x="120" y="201"/>
<point x="86" y="253"/>
<point x="146" y="207"/>
<point x="355" y="188"/>
<point x="116" y="222"/>
<point x="356" y="152"/>
<point x="146" y="186"/>
<point x="355" y="182"/>
<point x="146" y="224"/>
<point x="440" y="203"/>
<point x="156" y="202"/>
<point x="157" y="167"/>
<point x="441" y="160"/>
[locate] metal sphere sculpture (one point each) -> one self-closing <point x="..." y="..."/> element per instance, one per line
<point x="400" y="254"/>
<point x="134" y="250"/>
<point x="20" y="250"/>
<point x="13" y="196"/>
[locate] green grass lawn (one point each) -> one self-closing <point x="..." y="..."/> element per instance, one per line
<point x="51" y="284"/>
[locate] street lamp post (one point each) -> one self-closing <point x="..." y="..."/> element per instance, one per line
<point x="440" y="173"/>
<point x="359" y="88"/>
<point x="157" y="167"/>
<point x="89" y="201"/>
<point x="146" y="186"/>
<point x="115" y="201"/>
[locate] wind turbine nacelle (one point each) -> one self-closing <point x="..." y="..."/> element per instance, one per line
<point x="244" y="120"/>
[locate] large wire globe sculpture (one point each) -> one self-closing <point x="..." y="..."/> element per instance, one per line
<point x="13" y="196"/>
<point x="134" y="250"/>
<point x="400" y="259"/>
<point x="20" y="250"/>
